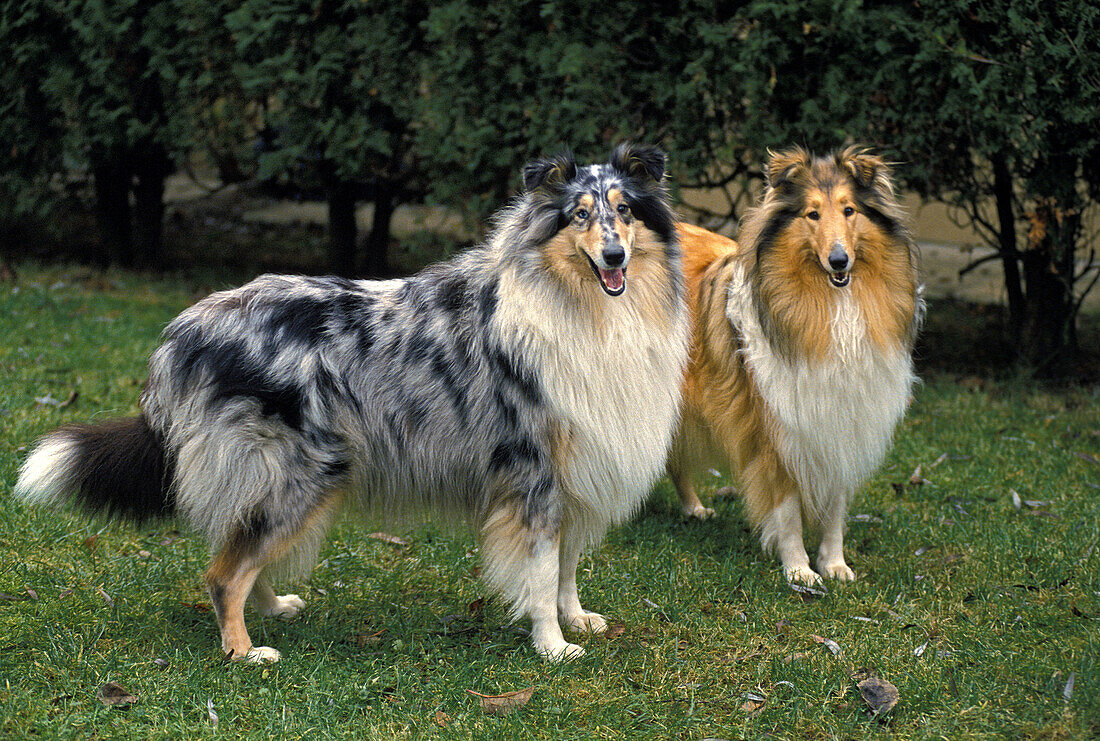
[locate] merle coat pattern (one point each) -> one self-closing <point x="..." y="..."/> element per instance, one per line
<point x="528" y="386"/>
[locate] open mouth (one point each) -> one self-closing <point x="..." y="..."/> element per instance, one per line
<point x="840" y="279"/>
<point x="612" y="281"/>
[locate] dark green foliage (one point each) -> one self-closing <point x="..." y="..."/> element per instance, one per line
<point x="88" y="94"/>
<point x="391" y="102"/>
<point x="336" y="85"/>
<point x="997" y="102"/>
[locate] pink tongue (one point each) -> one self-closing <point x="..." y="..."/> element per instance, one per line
<point x="613" y="279"/>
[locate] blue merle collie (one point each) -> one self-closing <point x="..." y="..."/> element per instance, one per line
<point x="528" y="386"/>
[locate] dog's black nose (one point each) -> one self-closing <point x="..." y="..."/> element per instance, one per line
<point x="614" y="255"/>
<point x="838" y="259"/>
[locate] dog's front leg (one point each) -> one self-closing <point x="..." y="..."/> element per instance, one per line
<point x="522" y="562"/>
<point x="541" y="576"/>
<point x="830" y="557"/>
<point x="570" y="612"/>
<point x="783" y="529"/>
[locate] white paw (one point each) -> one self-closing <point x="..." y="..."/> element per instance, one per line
<point x="285" y="606"/>
<point x="559" y="653"/>
<point x="837" y="570"/>
<point x="586" y="622"/>
<point x="698" y="511"/>
<point x="802" y="575"/>
<point x="261" y="655"/>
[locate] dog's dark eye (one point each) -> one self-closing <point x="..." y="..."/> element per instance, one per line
<point x="581" y="213"/>
<point x="813" y="216"/>
<point x="848" y="211"/>
<point x="623" y="209"/>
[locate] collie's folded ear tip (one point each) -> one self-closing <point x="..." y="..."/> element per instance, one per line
<point x="862" y="163"/>
<point x="550" y="171"/>
<point x="782" y="164"/>
<point x="643" y="161"/>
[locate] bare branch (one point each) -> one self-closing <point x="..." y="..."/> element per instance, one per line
<point x="979" y="261"/>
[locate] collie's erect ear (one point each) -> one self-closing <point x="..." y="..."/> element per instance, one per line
<point x="864" y="168"/>
<point x="784" y="165"/>
<point x="550" y="172"/>
<point x="639" y="161"/>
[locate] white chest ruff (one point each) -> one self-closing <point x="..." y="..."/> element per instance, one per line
<point x="618" y="392"/>
<point x="834" y="419"/>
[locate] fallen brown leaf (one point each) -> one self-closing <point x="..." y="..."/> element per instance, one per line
<point x="113" y="693"/>
<point x="442" y="719"/>
<point x="829" y="643"/>
<point x="880" y="695"/>
<point x="89" y="542"/>
<point x="503" y="704"/>
<point x="391" y="539"/>
<point x="363" y="639"/>
<point x="796" y="656"/>
<point x="614" y="631"/>
<point x="752" y="706"/>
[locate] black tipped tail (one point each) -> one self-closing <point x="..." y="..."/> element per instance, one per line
<point x="118" y="469"/>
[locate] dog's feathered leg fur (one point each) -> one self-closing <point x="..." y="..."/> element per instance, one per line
<point x="830" y="556"/>
<point x="572" y="615"/>
<point x="522" y="562"/>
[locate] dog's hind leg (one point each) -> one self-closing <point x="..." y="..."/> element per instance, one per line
<point x="690" y="504"/>
<point x="570" y="612"/>
<point x="269" y="604"/>
<point x="679" y="471"/>
<point x="830" y="556"/>
<point x="229" y="580"/>
<point x="522" y="563"/>
<point x="238" y="572"/>
<point x="297" y="560"/>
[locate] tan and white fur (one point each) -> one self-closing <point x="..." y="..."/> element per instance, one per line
<point x="800" y="366"/>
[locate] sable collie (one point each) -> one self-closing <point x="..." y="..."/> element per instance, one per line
<point x="800" y="363"/>
<point x="530" y="386"/>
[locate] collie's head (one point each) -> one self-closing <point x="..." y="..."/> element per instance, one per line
<point x="594" y="227"/>
<point x="829" y="228"/>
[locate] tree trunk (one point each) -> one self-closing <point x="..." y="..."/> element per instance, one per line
<point x="378" y="241"/>
<point x="151" y="169"/>
<point x="1048" y="273"/>
<point x="341" y="228"/>
<point x="1006" y="233"/>
<point x="112" y="194"/>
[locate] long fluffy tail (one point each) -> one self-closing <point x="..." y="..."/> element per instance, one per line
<point x="118" y="469"/>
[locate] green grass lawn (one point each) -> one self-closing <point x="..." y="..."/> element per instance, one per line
<point x="980" y="613"/>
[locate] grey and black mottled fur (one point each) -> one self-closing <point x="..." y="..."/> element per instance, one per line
<point x="520" y="386"/>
